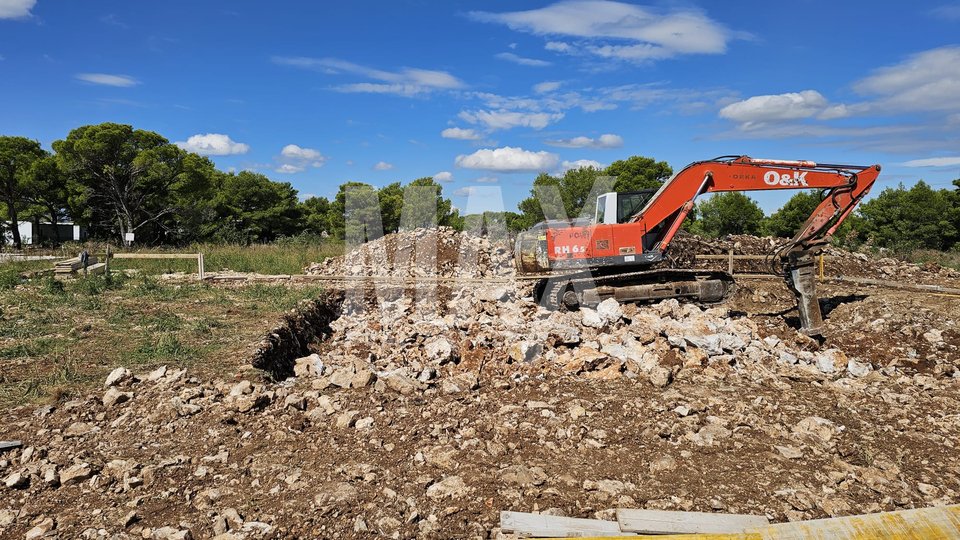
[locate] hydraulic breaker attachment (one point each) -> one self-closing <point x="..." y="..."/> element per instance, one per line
<point x="801" y="277"/>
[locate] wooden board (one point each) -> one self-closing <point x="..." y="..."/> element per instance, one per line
<point x="667" y="522"/>
<point x="70" y="265"/>
<point x="542" y="526"/>
<point x="9" y="445"/>
<point x="154" y="256"/>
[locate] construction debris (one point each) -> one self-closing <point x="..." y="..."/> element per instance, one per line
<point x="424" y="411"/>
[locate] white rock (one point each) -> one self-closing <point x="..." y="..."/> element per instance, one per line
<point x="114" y="396"/>
<point x="858" y="369"/>
<point x="117" y="376"/>
<point x="590" y="318"/>
<point x="610" y="311"/>
<point x="157" y="374"/>
<point x="41" y="529"/>
<point x="75" y="474"/>
<point x="308" y="366"/>
<point x="438" y="349"/>
<point x="451" y="486"/>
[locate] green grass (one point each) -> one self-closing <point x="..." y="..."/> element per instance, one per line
<point x="949" y="259"/>
<point x="278" y="258"/>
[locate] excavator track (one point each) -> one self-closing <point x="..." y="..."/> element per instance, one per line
<point x="588" y="288"/>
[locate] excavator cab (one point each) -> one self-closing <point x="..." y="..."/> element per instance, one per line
<point x="613" y="207"/>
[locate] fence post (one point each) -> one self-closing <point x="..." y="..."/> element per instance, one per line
<point x="106" y="263"/>
<point x="821" y="266"/>
<point x="730" y="263"/>
<point x="200" y="265"/>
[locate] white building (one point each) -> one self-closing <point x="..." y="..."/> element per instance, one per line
<point x="63" y="232"/>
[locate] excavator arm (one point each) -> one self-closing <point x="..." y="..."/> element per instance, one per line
<point x="846" y="185"/>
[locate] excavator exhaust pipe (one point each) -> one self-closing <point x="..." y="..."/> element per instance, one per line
<point x="801" y="276"/>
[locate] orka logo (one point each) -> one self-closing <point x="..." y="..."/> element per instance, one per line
<point x="774" y="178"/>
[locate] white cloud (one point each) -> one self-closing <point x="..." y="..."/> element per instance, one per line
<point x="294" y="159"/>
<point x="579" y="164"/>
<point x="927" y="81"/>
<point x="607" y="140"/>
<point x="648" y="33"/>
<point x="947" y="11"/>
<point x="460" y="133"/>
<point x="504" y="119"/>
<point x="952" y="161"/>
<point x="213" y="144"/>
<point x="15" y="9"/>
<point x="546" y="87"/>
<point x="298" y="152"/>
<point x="516" y="59"/>
<point x="789" y="106"/>
<point x="508" y="159"/>
<point x="107" y="79"/>
<point x="466" y="191"/>
<point x="405" y="81"/>
<point x="382" y="166"/>
<point x="289" y="168"/>
<point x="486" y="180"/>
<point x="443" y="176"/>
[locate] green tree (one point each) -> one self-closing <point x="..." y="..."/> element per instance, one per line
<point x="357" y="221"/>
<point x="252" y="208"/>
<point x="425" y="206"/>
<point x="390" y="199"/>
<point x="919" y="217"/>
<point x="17" y="155"/>
<point x="124" y="179"/>
<point x="545" y="199"/>
<point x="786" y="221"/>
<point x="575" y="193"/>
<point x="46" y="188"/>
<point x="727" y="213"/>
<point x="638" y="172"/>
<point x="316" y="214"/>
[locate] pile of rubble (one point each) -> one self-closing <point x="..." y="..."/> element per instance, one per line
<point x="426" y="412"/>
<point x="440" y="251"/>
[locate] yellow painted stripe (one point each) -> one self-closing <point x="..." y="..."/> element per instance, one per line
<point x="940" y="523"/>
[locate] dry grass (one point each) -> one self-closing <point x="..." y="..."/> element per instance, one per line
<point x="60" y="339"/>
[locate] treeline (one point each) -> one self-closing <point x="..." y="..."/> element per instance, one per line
<point x="116" y="180"/>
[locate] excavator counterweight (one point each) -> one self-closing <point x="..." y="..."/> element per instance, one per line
<point x="612" y="256"/>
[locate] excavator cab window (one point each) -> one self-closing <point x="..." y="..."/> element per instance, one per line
<point x="631" y="202"/>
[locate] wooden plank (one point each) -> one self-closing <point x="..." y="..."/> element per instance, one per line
<point x="71" y="265"/>
<point x="897" y="285"/>
<point x="155" y="256"/>
<point x="543" y="526"/>
<point x="668" y="522"/>
<point x="9" y="445"/>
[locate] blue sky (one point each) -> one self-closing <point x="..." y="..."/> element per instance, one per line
<point x="489" y="93"/>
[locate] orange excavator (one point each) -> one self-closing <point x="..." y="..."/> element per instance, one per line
<point x="612" y="257"/>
